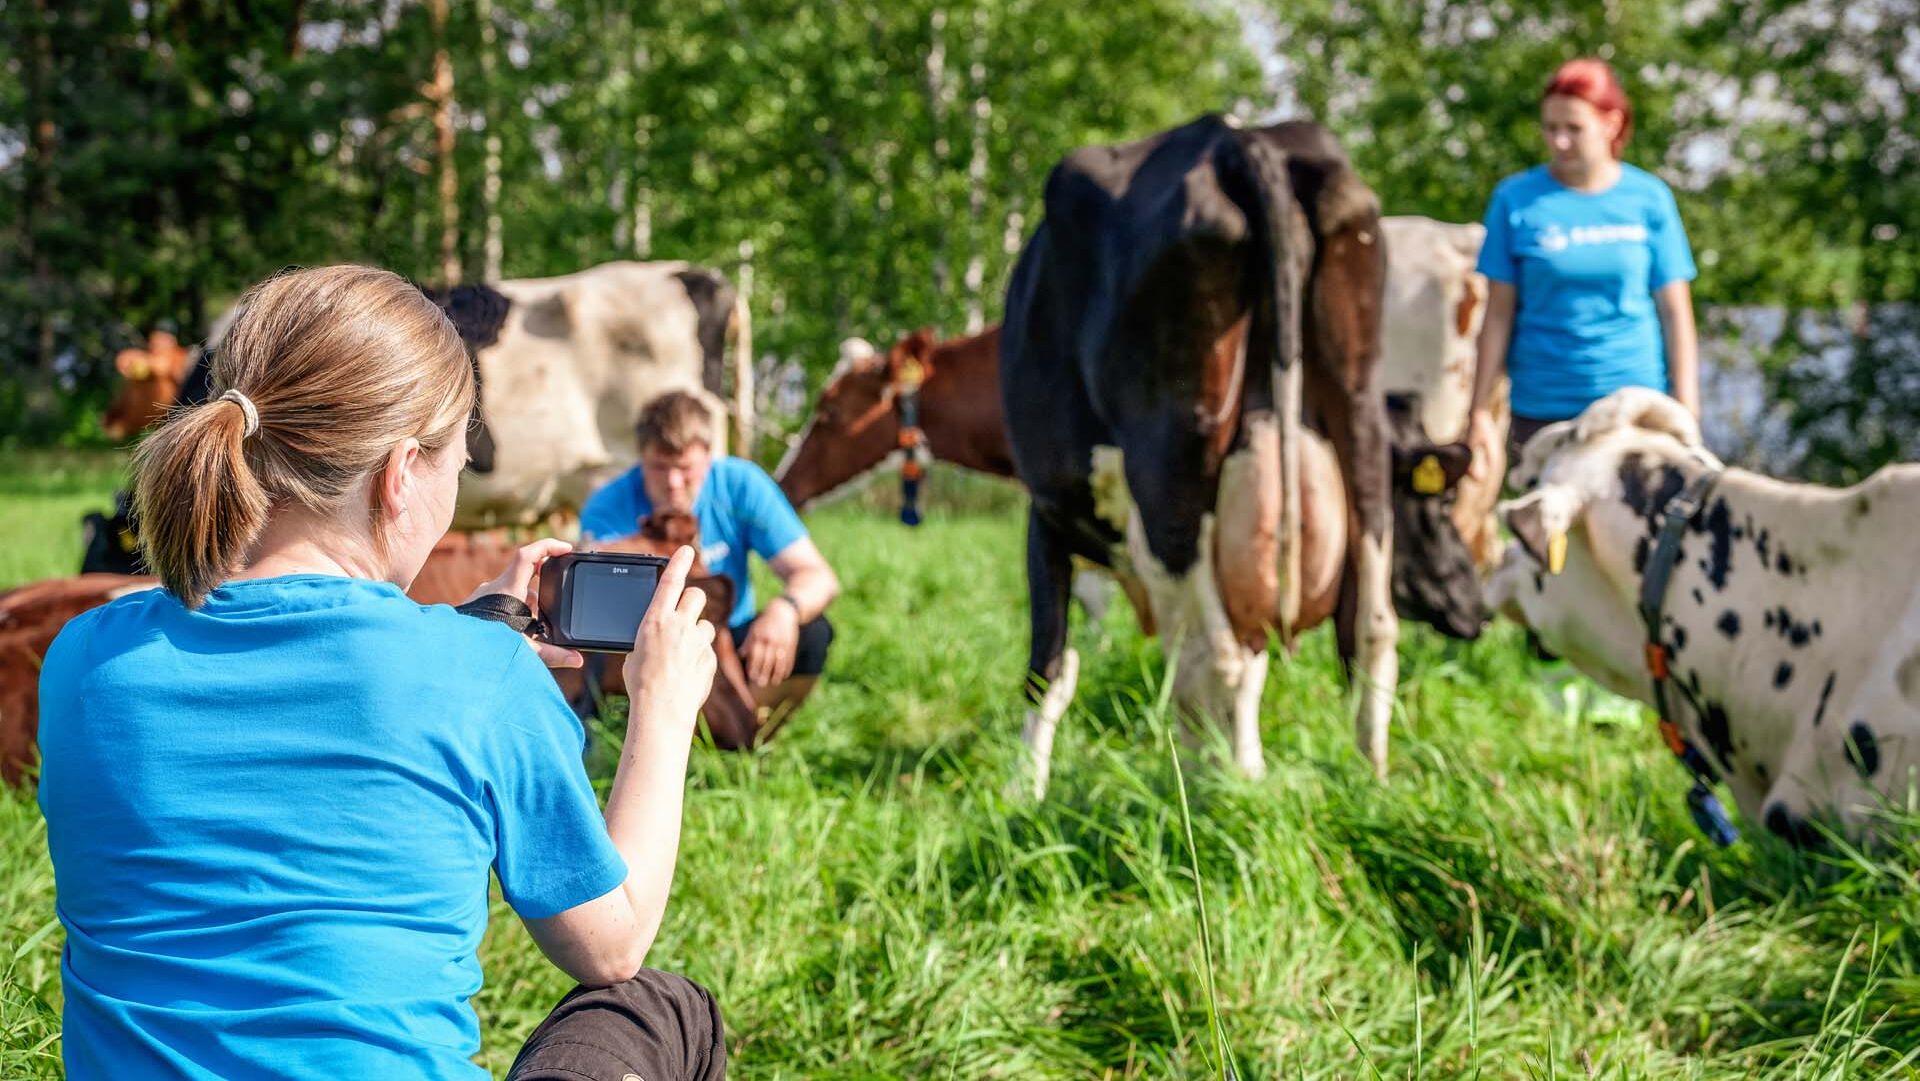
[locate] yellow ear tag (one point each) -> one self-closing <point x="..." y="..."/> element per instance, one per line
<point x="1556" y="553"/>
<point x="1428" y="477"/>
<point x="912" y="374"/>
<point x="139" y="370"/>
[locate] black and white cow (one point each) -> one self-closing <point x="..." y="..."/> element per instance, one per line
<point x="1791" y="618"/>
<point x="564" y="366"/>
<point x="1160" y="325"/>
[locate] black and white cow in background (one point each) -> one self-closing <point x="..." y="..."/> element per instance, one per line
<point x="564" y="366"/>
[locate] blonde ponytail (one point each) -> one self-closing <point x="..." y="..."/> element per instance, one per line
<point x="338" y="364"/>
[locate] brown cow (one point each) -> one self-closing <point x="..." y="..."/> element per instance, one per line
<point x="152" y="380"/>
<point x="856" y="427"/>
<point x="30" y="616"/>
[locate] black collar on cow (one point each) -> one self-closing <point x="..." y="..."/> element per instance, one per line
<point x="1708" y="813"/>
<point x="913" y="441"/>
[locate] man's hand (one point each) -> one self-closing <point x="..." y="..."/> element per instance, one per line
<point x="521" y="580"/>
<point x="772" y="643"/>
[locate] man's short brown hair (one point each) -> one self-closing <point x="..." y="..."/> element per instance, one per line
<point x="673" y="422"/>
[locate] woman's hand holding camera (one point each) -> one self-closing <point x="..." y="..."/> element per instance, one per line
<point x="671" y="668"/>
<point x="517" y="581"/>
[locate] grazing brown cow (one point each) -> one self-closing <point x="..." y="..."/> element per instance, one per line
<point x="30" y="617"/>
<point x="461" y="561"/>
<point x="856" y="427"/>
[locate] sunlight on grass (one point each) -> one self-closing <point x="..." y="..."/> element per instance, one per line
<point x="1523" y="899"/>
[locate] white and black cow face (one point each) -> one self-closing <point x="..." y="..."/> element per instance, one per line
<point x="1604" y="462"/>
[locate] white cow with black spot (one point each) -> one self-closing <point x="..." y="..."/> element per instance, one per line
<point x="1791" y="617"/>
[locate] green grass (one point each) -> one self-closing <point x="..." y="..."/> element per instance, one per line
<point x="1523" y="899"/>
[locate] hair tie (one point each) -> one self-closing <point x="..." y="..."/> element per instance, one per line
<point x="246" y="407"/>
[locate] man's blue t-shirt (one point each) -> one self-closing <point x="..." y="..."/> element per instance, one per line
<point x="1585" y="266"/>
<point x="739" y="508"/>
<point x="271" y="822"/>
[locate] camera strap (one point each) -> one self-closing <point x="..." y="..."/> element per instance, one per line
<point x="502" y="608"/>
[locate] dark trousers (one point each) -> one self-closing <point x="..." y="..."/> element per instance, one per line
<point x="654" y="1027"/>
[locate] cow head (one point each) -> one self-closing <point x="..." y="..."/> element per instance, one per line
<point x="1596" y="492"/>
<point x="1435" y="579"/>
<point x="855" y="428"/>
<point x="151" y="378"/>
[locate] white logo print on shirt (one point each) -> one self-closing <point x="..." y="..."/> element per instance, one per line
<point x="1552" y="238"/>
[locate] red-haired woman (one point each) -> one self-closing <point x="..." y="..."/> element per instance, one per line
<point x="1588" y="265"/>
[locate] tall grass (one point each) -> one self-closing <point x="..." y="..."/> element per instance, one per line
<point x="1523" y="899"/>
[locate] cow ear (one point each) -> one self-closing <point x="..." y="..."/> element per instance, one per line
<point x="1455" y="458"/>
<point x="912" y="360"/>
<point x="134" y="364"/>
<point x="1540" y="521"/>
<point x="1429" y="470"/>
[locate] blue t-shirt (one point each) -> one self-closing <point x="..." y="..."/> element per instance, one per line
<point x="1585" y="266"/>
<point x="271" y="822"/>
<point x="739" y="508"/>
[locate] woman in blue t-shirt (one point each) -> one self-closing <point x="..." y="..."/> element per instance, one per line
<point x="275" y="787"/>
<point x="1588" y="266"/>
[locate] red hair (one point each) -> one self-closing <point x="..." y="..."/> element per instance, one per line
<point x="1593" y="81"/>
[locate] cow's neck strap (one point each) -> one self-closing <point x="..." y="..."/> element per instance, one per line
<point x="1708" y="813"/>
<point x="913" y="442"/>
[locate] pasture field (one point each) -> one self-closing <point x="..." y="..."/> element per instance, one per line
<point x="1525" y="898"/>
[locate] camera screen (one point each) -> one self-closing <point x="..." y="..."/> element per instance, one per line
<point x="609" y="599"/>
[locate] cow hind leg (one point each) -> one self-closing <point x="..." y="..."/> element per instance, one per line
<point x="1052" y="668"/>
<point x="1379" y="653"/>
<point x="1217" y="676"/>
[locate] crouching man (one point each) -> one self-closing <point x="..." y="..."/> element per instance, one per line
<point x="740" y="509"/>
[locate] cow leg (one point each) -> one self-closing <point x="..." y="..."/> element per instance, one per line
<point x="1343" y="358"/>
<point x="1052" y="668"/>
<point x="1217" y="676"/>
<point x="1379" y="643"/>
<point x="1367" y="629"/>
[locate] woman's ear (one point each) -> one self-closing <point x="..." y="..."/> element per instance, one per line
<point x="394" y="484"/>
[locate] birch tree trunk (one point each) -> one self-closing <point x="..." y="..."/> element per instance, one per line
<point x="39" y="188"/>
<point x="493" y="244"/>
<point x="937" y="94"/>
<point x="977" y="176"/>
<point x="440" y="92"/>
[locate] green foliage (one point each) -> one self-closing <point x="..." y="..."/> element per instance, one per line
<point x="193" y="148"/>
<point x="1523" y="899"/>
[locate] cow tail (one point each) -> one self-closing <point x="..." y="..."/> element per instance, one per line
<point x="741" y="324"/>
<point x="1284" y="260"/>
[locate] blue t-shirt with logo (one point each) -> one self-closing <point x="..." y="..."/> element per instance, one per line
<point x="272" y="820"/>
<point x="739" y="508"/>
<point x="1585" y="266"/>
